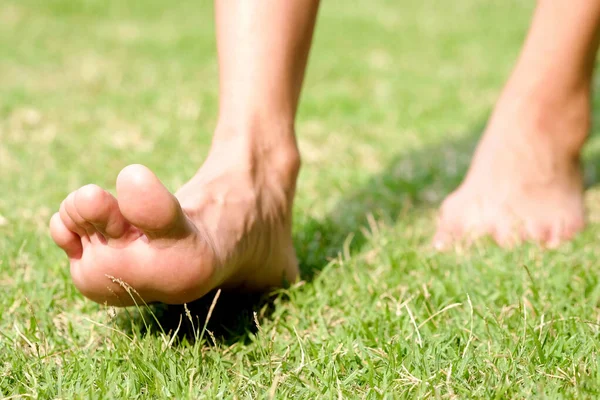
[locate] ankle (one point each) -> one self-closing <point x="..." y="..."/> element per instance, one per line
<point x="556" y="116"/>
<point x="265" y="148"/>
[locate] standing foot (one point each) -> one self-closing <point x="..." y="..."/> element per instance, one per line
<point x="525" y="180"/>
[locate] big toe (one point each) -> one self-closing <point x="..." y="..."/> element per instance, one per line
<point x="147" y="204"/>
<point x="450" y="226"/>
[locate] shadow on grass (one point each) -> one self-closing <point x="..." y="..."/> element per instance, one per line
<point x="231" y="320"/>
<point x="410" y="182"/>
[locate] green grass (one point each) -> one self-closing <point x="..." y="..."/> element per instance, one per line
<point x="394" y="100"/>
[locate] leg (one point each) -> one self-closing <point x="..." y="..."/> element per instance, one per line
<point x="525" y="181"/>
<point x="230" y="225"/>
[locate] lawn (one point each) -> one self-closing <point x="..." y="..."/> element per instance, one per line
<point x="395" y="98"/>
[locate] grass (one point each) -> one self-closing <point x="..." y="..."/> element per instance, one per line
<point x="394" y="101"/>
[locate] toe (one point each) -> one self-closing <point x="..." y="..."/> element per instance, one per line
<point x="536" y="231"/>
<point x="442" y="240"/>
<point x="564" y="230"/>
<point x="65" y="238"/>
<point x="448" y="232"/>
<point x="147" y="204"/>
<point x="82" y="227"/>
<point x="450" y="226"/>
<point x="68" y="221"/>
<point x="99" y="208"/>
<point x="504" y="234"/>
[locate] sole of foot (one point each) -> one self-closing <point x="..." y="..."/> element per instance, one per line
<point x="143" y="245"/>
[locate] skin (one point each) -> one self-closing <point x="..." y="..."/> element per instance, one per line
<point x="525" y="180"/>
<point x="230" y="225"/>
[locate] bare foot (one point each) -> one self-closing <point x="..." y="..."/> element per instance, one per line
<point x="525" y="181"/>
<point x="229" y="227"/>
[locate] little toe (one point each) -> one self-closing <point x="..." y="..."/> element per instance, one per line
<point x="65" y="238"/>
<point x="563" y="230"/>
<point x="100" y="209"/>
